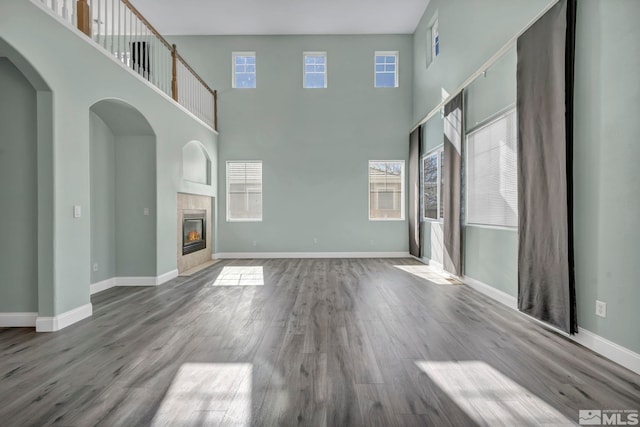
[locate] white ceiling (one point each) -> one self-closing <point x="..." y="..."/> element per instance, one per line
<point x="262" y="17"/>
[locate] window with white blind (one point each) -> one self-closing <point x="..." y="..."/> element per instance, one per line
<point x="433" y="185"/>
<point x="492" y="187"/>
<point x="386" y="190"/>
<point x="244" y="191"/>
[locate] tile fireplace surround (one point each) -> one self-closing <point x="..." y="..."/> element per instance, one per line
<point x="187" y="202"/>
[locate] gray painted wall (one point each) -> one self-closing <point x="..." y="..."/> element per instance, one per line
<point x="98" y="76"/>
<point x="490" y="253"/>
<point x="492" y="92"/>
<point x="606" y="176"/>
<point x="491" y="256"/>
<point x="123" y="184"/>
<point x="606" y="173"/>
<point x="103" y="200"/>
<point x="18" y="192"/>
<point x="135" y="171"/>
<point x="470" y="32"/>
<point x="314" y="143"/>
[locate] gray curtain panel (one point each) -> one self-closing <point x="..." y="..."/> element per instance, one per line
<point x="452" y="194"/>
<point x="546" y="286"/>
<point x="415" y="148"/>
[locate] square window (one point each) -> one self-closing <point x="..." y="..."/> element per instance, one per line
<point x="315" y="70"/>
<point x="386" y="69"/>
<point x="244" y="70"/>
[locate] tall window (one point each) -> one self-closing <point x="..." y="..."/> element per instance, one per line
<point x="386" y="72"/>
<point x="435" y="40"/>
<point x="492" y="186"/>
<point x="244" y="70"/>
<point x="386" y="190"/>
<point x="244" y="191"/>
<point x="315" y="70"/>
<point x="433" y="185"/>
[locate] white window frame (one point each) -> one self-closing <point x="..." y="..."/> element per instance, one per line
<point x="438" y="152"/>
<point x="402" y="190"/>
<point x="376" y="72"/>
<point x="229" y="219"/>
<point x="435" y="39"/>
<point x="233" y="68"/>
<point x="304" y="69"/>
<point x="430" y="40"/>
<point x="477" y="128"/>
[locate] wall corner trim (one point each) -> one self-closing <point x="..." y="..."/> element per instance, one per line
<point x="18" y="320"/>
<point x="264" y="255"/>
<point x="61" y="321"/>
<point x="164" y="278"/>
<point x="594" y="342"/>
<point x="102" y="286"/>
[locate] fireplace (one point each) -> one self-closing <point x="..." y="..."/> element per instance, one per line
<point x="194" y="232"/>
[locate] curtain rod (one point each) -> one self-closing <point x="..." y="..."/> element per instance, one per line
<point x="494" y="58"/>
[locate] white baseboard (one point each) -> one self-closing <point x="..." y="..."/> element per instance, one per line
<point x="435" y="264"/>
<point x="136" y="281"/>
<point x="619" y="354"/>
<point x="52" y="324"/>
<point x="496" y="294"/>
<point x="102" y="286"/>
<point x="615" y="352"/>
<point x="263" y="255"/>
<point x="164" y="278"/>
<point x="18" y="320"/>
<point x="133" y="281"/>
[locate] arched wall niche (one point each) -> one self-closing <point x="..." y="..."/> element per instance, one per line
<point x="196" y="163"/>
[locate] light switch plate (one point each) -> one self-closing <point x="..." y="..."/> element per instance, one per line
<point x="77" y="211"/>
<point x="146" y="211"/>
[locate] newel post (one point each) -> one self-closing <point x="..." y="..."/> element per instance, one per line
<point x="215" y="110"/>
<point x="174" y="71"/>
<point x="84" y="17"/>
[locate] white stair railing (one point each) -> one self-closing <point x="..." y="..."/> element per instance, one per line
<point x="118" y="27"/>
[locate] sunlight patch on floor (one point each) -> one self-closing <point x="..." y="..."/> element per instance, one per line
<point x="240" y="276"/>
<point x="207" y="394"/>
<point x="490" y="398"/>
<point x="428" y="273"/>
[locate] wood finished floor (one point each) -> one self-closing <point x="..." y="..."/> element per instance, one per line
<point x="303" y="342"/>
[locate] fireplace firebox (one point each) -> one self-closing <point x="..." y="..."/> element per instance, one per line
<point x="194" y="232"/>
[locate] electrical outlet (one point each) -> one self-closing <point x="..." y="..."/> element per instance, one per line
<point x="95" y="267"/>
<point x="601" y="308"/>
<point x="315" y="240"/>
<point x="255" y="243"/>
<point x="146" y="211"/>
<point x="372" y="242"/>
